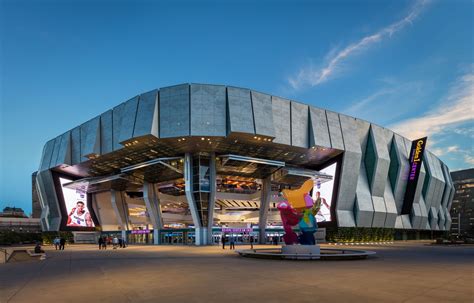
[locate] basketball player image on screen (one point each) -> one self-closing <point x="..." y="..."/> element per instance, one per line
<point x="79" y="216"/>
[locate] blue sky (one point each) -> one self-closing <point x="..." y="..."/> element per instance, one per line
<point x="406" y="65"/>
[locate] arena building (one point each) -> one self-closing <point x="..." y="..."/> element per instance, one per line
<point x="185" y="164"/>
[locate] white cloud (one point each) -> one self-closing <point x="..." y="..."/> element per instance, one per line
<point x="440" y="151"/>
<point x="314" y="76"/>
<point x="456" y="108"/>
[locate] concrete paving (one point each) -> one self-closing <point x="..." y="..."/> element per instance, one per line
<point x="401" y="272"/>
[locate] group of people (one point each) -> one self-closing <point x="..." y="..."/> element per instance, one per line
<point x="59" y="243"/>
<point x="115" y="242"/>
<point x="232" y="240"/>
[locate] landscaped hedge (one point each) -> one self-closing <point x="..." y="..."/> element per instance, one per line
<point x="359" y="234"/>
<point x="48" y="236"/>
<point x="12" y="237"/>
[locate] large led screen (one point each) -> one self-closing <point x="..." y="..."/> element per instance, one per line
<point x="75" y="201"/>
<point x="324" y="190"/>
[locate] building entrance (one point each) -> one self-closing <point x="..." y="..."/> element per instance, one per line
<point x="174" y="238"/>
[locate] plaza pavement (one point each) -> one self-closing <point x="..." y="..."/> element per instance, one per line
<point x="401" y="272"/>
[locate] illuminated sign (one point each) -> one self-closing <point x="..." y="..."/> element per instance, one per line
<point x="324" y="191"/>
<point x="75" y="200"/>
<point x="416" y="158"/>
<point x="236" y="230"/>
<point x="140" y="231"/>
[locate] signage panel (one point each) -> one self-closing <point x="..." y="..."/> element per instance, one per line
<point x="416" y="159"/>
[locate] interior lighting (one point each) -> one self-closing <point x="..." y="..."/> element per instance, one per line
<point x="202" y="139"/>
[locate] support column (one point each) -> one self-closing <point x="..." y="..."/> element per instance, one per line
<point x="264" y="206"/>
<point x="200" y="188"/>
<point x="120" y="209"/>
<point x="153" y="206"/>
<point x="212" y="196"/>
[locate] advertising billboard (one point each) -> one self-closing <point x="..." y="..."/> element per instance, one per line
<point x="324" y="190"/>
<point x="76" y="206"/>
<point x="416" y="160"/>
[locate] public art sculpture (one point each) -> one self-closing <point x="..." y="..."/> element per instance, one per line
<point x="299" y="208"/>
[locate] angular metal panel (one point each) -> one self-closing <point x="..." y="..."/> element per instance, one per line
<point x="47" y="154"/>
<point x="380" y="212"/>
<point x="147" y="115"/>
<point x="351" y="128"/>
<point x="281" y="109"/>
<point x="262" y="114"/>
<point x="390" y="206"/>
<point x="50" y="210"/>
<point x="416" y="216"/>
<point x="90" y="138"/>
<point x="106" y="134"/>
<point x="441" y="219"/>
<point x="208" y="110"/>
<point x="123" y="117"/>
<point x="433" y="218"/>
<point x="424" y="213"/>
<point x="64" y="152"/>
<point x="383" y="161"/>
<point x="299" y="125"/>
<point x="364" y="209"/>
<point x="406" y="221"/>
<point x="319" y="130"/>
<point x="351" y="164"/>
<point x="402" y="174"/>
<point x="76" y="145"/>
<point x="335" y="133"/>
<point x="174" y="111"/>
<point x="54" y="156"/>
<point x="448" y="220"/>
<point x="240" y="111"/>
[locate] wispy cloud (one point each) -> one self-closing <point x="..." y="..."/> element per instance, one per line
<point x="441" y="151"/>
<point x="313" y="76"/>
<point x="456" y="108"/>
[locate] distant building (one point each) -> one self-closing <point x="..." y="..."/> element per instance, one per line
<point x="14" y="219"/>
<point x="13" y="212"/>
<point x="462" y="210"/>
<point x="35" y="202"/>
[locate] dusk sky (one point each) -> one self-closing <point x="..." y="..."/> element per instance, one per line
<point x="405" y="65"/>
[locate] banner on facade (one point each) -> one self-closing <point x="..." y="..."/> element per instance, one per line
<point x="416" y="159"/>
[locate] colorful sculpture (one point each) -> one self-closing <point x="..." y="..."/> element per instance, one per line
<point x="299" y="208"/>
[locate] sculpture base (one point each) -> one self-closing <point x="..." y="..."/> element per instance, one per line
<point x="301" y="249"/>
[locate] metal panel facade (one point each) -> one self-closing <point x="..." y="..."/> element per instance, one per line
<point x="319" y="130"/>
<point x="335" y="130"/>
<point x="282" y="120"/>
<point x="208" y="110"/>
<point x="106" y="135"/>
<point x="147" y="115"/>
<point x="299" y="125"/>
<point x="174" y="111"/>
<point x="240" y="112"/>
<point x="262" y="114"/>
<point x="90" y="138"/>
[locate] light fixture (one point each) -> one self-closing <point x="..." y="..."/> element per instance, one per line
<point x="202" y="138"/>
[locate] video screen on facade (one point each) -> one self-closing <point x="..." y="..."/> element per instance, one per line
<point x="324" y="190"/>
<point x="75" y="200"/>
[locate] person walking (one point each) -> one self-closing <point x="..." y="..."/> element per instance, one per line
<point x="223" y="241"/>
<point x="56" y="242"/>
<point x="104" y="241"/>
<point x="101" y="243"/>
<point x="115" y="242"/>
<point x="120" y="242"/>
<point x="251" y="242"/>
<point x="232" y="243"/>
<point x="62" y="242"/>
